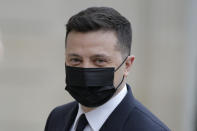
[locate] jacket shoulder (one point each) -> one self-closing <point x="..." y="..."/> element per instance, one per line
<point x="140" y="118"/>
<point x="64" y="108"/>
<point x="58" y="115"/>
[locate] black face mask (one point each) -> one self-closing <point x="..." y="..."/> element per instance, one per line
<point x="91" y="87"/>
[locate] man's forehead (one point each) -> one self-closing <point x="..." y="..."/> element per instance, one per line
<point x="106" y="35"/>
<point x="91" y="55"/>
<point x="92" y="44"/>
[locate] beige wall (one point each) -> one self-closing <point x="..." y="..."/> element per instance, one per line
<point x="32" y="72"/>
<point x="1" y="49"/>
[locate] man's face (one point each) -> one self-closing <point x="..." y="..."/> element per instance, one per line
<point x="93" y="50"/>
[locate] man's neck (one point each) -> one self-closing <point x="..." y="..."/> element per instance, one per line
<point x="87" y="109"/>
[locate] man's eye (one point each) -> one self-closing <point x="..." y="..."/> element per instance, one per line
<point x="100" y="61"/>
<point x="75" y="60"/>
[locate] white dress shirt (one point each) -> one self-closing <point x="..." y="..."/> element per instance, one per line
<point x="97" y="117"/>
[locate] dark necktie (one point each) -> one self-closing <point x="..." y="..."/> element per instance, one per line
<point x="81" y="123"/>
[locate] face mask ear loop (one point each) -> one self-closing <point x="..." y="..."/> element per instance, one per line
<point x="123" y="75"/>
<point x="120" y="83"/>
<point x="121" y="64"/>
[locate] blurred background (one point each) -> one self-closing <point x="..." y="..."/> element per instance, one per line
<point x="163" y="78"/>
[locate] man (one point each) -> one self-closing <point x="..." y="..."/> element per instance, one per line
<point x="98" y="60"/>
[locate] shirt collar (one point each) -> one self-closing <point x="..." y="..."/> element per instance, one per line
<point x="97" y="117"/>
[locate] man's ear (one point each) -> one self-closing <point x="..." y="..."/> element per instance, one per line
<point x="128" y="64"/>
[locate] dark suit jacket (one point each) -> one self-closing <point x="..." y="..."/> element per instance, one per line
<point x="129" y="115"/>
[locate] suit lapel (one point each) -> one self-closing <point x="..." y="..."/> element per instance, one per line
<point x="70" y="117"/>
<point x="116" y="120"/>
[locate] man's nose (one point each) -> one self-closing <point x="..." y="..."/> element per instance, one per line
<point x="87" y="64"/>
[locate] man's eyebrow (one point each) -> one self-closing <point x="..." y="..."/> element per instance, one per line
<point x="99" y="56"/>
<point x="94" y="56"/>
<point x="73" y="54"/>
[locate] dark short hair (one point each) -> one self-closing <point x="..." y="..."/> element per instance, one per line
<point x="103" y="18"/>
